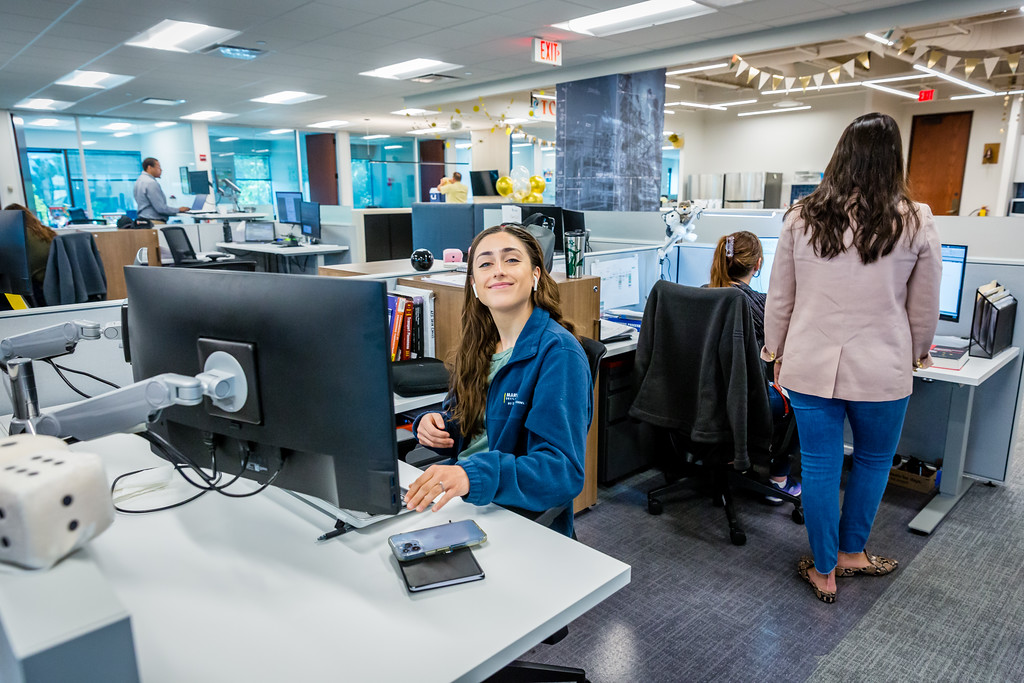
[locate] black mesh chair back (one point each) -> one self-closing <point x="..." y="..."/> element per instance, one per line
<point x="179" y="244"/>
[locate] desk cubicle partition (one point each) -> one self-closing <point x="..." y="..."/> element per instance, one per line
<point x="440" y="226"/>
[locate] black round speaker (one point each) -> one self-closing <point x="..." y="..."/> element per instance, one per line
<point x="422" y="259"/>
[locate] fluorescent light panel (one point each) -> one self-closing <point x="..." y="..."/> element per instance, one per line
<point x="333" y="123"/>
<point x="166" y="124"/>
<point x="88" y="142"/>
<point x="1003" y="93"/>
<point x="288" y="97"/>
<point x="736" y="103"/>
<point x="413" y="111"/>
<point x="118" y="125"/>
<point x="181" y="36"/>
<point x="208" y="116"/>
<point x="695" y="69"/>
<point x="227" y="139"/>
<point x="697" y="105"/>
<point x="411" y="69"/>
<point x="669" y="111"/>
<point x="878" y="39"/>
<point x="375" y="137"/>
<point x="46" y="123"/>
<point x="634" y="17"/>
<point x="279" y="131"/>
<point x="773" y="111"/>
<point x="161" y="102"/>
<point x="891" y="91"/>
<point x="953" y="79"/>
<point x="392" y="147"/>
<point x="123" y="134"/>
<point x="673" y="86"/>
<point x="43" y="104"/>
<point x="93" y="79"/>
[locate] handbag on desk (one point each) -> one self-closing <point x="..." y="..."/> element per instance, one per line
<point x="419" y="376"/>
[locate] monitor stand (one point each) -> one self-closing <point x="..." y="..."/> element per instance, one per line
<point x="344" y="520"/>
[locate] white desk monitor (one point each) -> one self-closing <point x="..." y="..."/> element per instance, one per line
<point x="954" y="261"/>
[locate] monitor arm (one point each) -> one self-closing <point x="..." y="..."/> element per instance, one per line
<point x="55" y="340"/>
<point x="680" y="224"/>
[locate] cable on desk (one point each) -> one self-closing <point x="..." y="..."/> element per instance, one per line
<point x="60" y="374"/>
<point x="248" y="451"/>
<point x="113" y="487"/>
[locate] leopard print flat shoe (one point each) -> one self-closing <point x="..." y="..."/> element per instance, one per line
<point x="879" y="566"/>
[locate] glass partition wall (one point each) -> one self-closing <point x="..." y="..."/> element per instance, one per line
<point x="260" y="161"/>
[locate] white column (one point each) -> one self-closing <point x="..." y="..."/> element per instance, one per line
<point x="11" y="188"/>
<point x="201" y="147"/>
<point x="1009" y="154"/>
<point x="85" y="171"/>
<point x="343" y="150"/>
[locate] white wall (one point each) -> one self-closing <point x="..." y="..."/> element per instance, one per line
<point x="11" y="189"/>
<point x="173" y="148"/>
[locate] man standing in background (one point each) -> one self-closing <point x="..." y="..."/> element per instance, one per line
<point x="149" y="198"/>
<point x="453" y="190"/>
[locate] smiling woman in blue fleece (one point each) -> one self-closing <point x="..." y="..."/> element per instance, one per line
<point x="516" y="417"/>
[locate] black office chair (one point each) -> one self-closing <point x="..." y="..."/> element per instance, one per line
<point x="185" y="257"/>
<point x="702" y="396"/>
<point x="78" y="217"/>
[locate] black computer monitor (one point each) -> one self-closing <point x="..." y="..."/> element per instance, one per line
<point x="198" y="182"/>
<point x="954" y="263"/>
<point x="552" y="213"/>
<point x="320" y="407"/>
<point x="483" y="183"/>
<point x="288" y="207"/>
<point x="309" y="219"/>
<point x="14" y="274"/>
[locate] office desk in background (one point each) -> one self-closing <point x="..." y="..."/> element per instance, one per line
<point x="282" y="257"/>
<point x="236" y="589"/>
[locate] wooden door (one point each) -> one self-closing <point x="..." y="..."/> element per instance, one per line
<point x="431" y="166"/>
<point x="938" y="155"/>
<point x="322" y="167"/>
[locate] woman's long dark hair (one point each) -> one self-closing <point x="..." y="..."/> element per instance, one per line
<point x="864" y="184"/>
<point x="472" y="358"/>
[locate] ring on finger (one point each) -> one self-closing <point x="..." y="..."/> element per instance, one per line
<point x="441" y="484"/>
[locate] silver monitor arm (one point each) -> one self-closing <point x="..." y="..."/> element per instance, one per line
<point x="47" y="342"/>
<point x="680" y="224"/>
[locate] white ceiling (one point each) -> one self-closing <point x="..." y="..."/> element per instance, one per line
<point x="320" y="47"/>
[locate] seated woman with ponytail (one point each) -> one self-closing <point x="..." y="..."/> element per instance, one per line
<point x="517" y="413"/>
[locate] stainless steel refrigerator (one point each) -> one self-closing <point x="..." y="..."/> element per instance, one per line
<point x="755" y="190"/>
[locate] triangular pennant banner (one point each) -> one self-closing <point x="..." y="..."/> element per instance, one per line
<point x="933" y="58"/>
<point x="752" y="73"/>
<point x="951" y="61"/>
<point x="1013" y="61"/>
<point x="734" y="62"/>
<point x="805" y="81"/>
<point x="878" y="49"/>
<point x="819" y="79"/>
<point x="776" y="80"/>
<point x="919" y="51"/>
<point x="990" y="65"/>
<point x="741" y="68"/>
<point x="790" y="80"/>
<point x="849" y="67"/>
<point x="761" y="81"/>
<point x="905" y="44"/>
<point x="969" y="66"/>
<point x="864" y="59"/>
<point x="834" y="73"/>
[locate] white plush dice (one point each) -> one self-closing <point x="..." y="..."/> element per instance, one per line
<point x="52" y="500"/>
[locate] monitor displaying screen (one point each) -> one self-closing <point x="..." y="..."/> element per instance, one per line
<point x="760" y="281"/>
<point x="319" y="405"/>
<point x="483" y="183"/>
<point x="309" y="219"/>
<point x="198" y="182"/>
<point x="259" y="231"/>
<point x="954" y="263"/>
<point x="288" y="207"/>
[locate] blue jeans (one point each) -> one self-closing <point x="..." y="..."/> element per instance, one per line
<point x="876" y="432"/>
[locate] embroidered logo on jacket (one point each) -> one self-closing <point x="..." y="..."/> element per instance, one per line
<point x="511" y="398"/>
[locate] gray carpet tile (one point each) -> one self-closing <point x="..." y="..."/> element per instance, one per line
<point x="699" y="608"/>
<point x="956" y="613"/>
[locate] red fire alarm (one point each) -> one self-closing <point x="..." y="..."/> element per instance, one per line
<point x="926" y="95"/>
<point x="202" y="157"/>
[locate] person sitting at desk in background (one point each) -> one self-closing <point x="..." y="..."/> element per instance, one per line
<point x="38" y="238"/>
<point x="454" y="191"/>
<point x="149" y="198"/>
<point x="852" y="308"/>
<point x="738" y="257"/>
<point x="517" y="413"/>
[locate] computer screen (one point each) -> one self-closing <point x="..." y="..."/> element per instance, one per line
<point x="198" y="182"/>
<point x="288" y="207"/>
<point x="954" y="263"/>
<point x="760" y="281"/>
<point x="483" y="183"/>
<point x="259" y="231"/>
<point x="319" y="408"/>
<point x="309" y="219"/>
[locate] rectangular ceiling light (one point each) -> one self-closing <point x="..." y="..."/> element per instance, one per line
<point x="118" y="125"/>
<point x="411" y="69"/>
<point x="227" y="139"/>
<point x="1003" y="93"/>
<point x="333" y="123"/>
<point x="375" y="137"/>
<point x="634" y="17"/>
<point x="93" y="79"/>
<point x="894" y="79"/>
<point x="694" y="69"/>
<point x="165" y="124"/>
<point x="736" y="103"/>
<point x="413" y="111"/>
<point x="879" y="39"/>
<point x="697" y="105"/>
<point x="42" y="103"/>
<point x="88" y="142"/>
<point x="669" y="111"/>
<point x="279" y="131"/>
<point x="891" y="91"/>
<point x="123" y="134"/>
<point x="672" y="85"/>
<point x="181" y="36"/>
<point x="953" y="79"/>
<point x="288" y="97"/>
<point x="773" y="111"/>
<point x="45" y="123"/>
<point x="235" y="52"/>
<point x="161" y="102"/>
<point x="392" y="147"/>
<point x="208" y="116"/>
<point x="828" y="86"/>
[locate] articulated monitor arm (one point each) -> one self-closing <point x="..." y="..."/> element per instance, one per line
<point x="46" y="342"/>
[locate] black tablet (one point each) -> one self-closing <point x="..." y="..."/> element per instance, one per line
<point x="437" y="571"/>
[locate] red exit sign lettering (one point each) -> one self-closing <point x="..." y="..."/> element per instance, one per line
<point x="547" y="52"/>
<point x="925" y="95"/>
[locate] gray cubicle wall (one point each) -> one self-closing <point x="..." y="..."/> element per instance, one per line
<point x="103" y="357"/>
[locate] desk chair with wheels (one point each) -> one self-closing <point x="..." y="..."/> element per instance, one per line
<point x="702" y="395"/>
<point x="185" y="256"/>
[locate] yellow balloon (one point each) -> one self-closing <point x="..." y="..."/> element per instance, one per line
<point x="537" y="184"/>
<point x="533" y="198"/>
<point x="504" y="186"/>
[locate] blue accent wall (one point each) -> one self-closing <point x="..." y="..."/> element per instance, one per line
<point x="609" y="137"/>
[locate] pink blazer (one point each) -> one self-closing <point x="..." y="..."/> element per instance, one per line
<point x="848" y="330"/>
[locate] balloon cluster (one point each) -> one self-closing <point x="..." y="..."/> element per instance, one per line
<point x="521" y="187"/>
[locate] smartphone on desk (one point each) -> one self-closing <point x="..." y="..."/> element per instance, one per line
<point x="444" y="538"/>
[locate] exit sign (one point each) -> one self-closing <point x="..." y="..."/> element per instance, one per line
<point x="925" y="95"/>
<point x="547" y="52"/>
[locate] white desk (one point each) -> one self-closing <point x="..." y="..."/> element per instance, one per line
<point x="237" y="590"/>
<point x="284" y="255"/>
<point x="225" y="217"/>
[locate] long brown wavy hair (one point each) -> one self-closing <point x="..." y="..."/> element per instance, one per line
<point x="32" y="223"/>
<point x="727" y="268"/>
<point x="472" y="358"/>
<point x="863" y="183"/>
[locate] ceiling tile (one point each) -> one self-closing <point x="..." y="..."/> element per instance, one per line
<point x="433" y="13"/>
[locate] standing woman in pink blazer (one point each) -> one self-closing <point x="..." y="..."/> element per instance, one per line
<point x="852" y="308"/>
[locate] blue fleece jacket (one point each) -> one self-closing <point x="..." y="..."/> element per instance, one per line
<point x="539" y="408"/>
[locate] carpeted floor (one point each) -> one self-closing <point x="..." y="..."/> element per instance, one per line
<point x="701" y="609"/>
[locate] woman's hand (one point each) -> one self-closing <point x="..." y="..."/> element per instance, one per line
<point x="446" y="481"/>
<point x="431" y="432"/>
